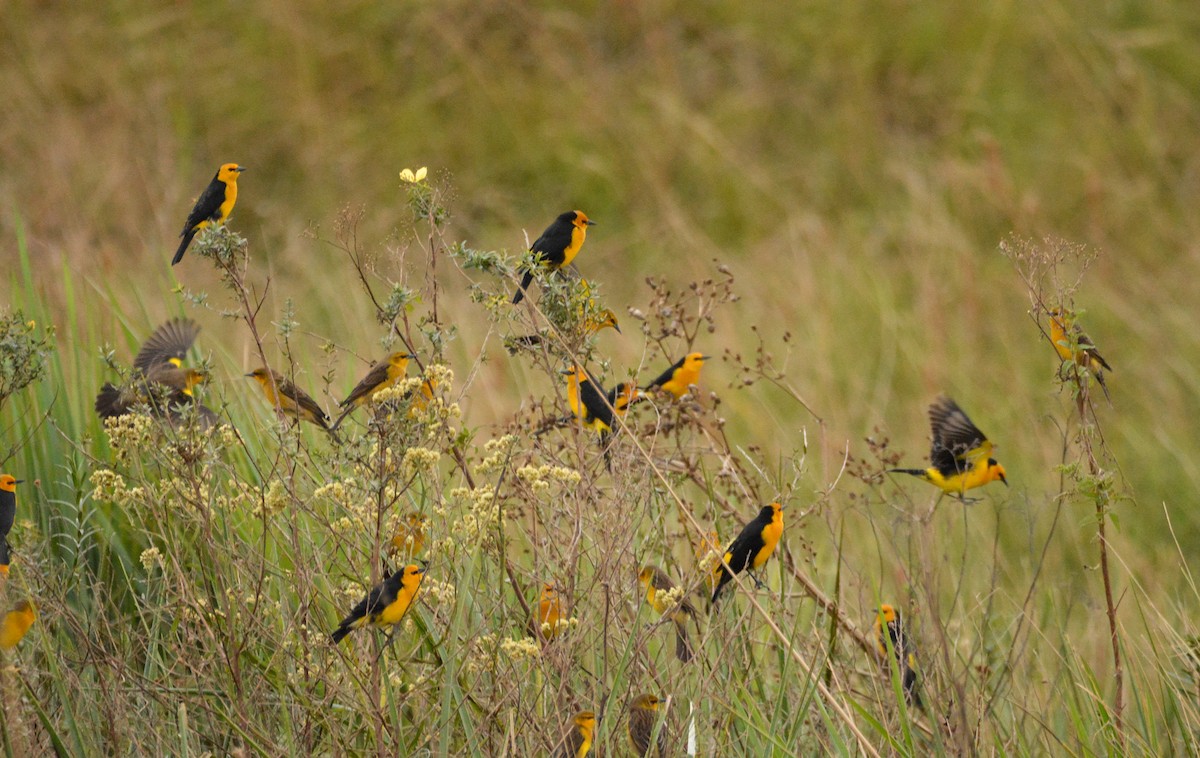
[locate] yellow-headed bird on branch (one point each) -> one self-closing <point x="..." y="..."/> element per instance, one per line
<point x="385" y="605"/>
<point x="290" y="399"/>
<point x="578" y="741"/>
<point x="960" y="453"/>
<point x="8" y="516"/>
<point x="212" y="207"/>
<point x="16" y="623"/>
<point x="1073" y="345"/>
<point x="382" y="375"/>
<point x="751" y="548"/>
<point x="557" y="246"/>
<point x="684" y="373"/>
<point x="891" y="634"/>
<point x="592" y="319"/>
<point x="596" y="409"/>
<point x="680" y="610"/>
<point x="643" y="715"/>
<point x="550" y="615"/>
<point x="159" y="377"/>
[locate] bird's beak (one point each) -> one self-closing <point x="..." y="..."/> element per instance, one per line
<point x="567" y="371"/>
<point x="589" y="222"/>
<point x="617" y="327"/>
<point x="248" y="376"/>
<point x="1004" y="479"/>
<point x="706" y="357"/>
<point x="19" y="481"/>
<point x="240" y="169"/>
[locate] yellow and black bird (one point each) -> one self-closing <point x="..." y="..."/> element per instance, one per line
<point x="290" y="399"/>
<point x="557" y="246"/>
<point x="643" y="715"/>
<point x="385" y="605"/>
<point x="8" y="516"/>
<point x="596" y="409"/>
<point x="578" y="741"/>
<point x="752" y="547"/>
<point x="960" y="453"/>
<point x="212" y="207"/>
<point x="684" y="373"/>
<point x="382" y="375"/>
<point x="1073" y="345"/>
<point x="679" y="609"/>
<point x="159" y="379"/>
<point x="16" y="623"/>
<point x="902" y="648"/>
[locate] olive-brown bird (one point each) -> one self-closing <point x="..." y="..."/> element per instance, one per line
<point x="290" y="399"/>
<point x="409" y="539"/>
<point x="212" y="207"/>
<point x="557" y="246"/>
<point x="960" y="453"/>
<point x="677" y="608"/>
<point x="1072" y="344"/>
<point x="752" y="547"/>
<point x="903" y="650"/>
<point x="679" y="378"/>
<point x="8" y="516"/>
<point x="16" y="623"/>
<point x="386" y="603"/>
<point x="578" y="741"/>
<point x="643" y="715"/>
<point x="382" y="375"/>
<point x="159" y="378"/>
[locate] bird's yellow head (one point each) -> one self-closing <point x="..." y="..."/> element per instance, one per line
<point x="887" y="614"/>
<point x="647" y="702"/>
<point x="9" y="483"/>
<point x="626" y="394"/>
<point x="996" y="471"/>
<point x="412" y="575"/>
<point x="607" y="319"/>
<point x="400" y="360"/>
<point x="574" y="374"/>
<point x="646" y="575"/>
<point x="585" y="720"/>
<point x="581" y="220"/>
<point x="694" y="361"/>
<point x="776" y="511"/>
<point x="228" y="172"/>
<point x="193" y="377"/>
<point x="264" y="376"/>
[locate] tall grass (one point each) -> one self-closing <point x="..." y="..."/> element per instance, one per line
<point x="846" y="171"/>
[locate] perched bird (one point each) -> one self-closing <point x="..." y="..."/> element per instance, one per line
<point x="1073" y="345"/>
<point x="752" y="547"/>
<point x="159" y="379"/>
<point x="605" y="319"/>
<point x="409" y="539"/>
<point x="643" y="715"/>
<point x="902" y="648"/>
<point x="385" y="604"/>
<point x="382" y="375"/>
<point x="961" y="454"/>
<point x="213" y="206"/>
<point x="557" y="246"/>
<point x="596" y="409"/>
<point x="578" y="741"/>
<point x="658" y="586"/>
<point x="290" y="399"/>
<point x="8" y="515"/>
<point x="550" y="617"/>
<point x="681" y="375"/>
<point x="16" y="623"/>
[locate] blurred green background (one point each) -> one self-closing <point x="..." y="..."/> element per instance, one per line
<point x="855" y="164"/>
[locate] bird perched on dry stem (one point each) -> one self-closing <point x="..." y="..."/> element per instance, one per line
<point x="681" y="376"/>
<point x="595" y="409"/>
<point x="557" y="246"/>
<point x="409" y="539"/>
<point x="290" y="399"/>
<point x="643" y="715"/>
<point x="960" y="453"/>
<point x="891" y="635"/>
<point x="386" y="373"/>
<point x="8" y="516"/>
<point x="386" y="603"/>
<point x="663" y="597"/>
<point x="550" y="615"/>
<point x="591" y="319"/>
<point x="159" y="379"/>
<point x="578" y="741"/>
<point x="1072" y="345"/>
<point x="212" y="207"/>
<point x="751" y="548"/>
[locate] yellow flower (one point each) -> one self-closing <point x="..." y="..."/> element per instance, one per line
<point x="408" y="176"/>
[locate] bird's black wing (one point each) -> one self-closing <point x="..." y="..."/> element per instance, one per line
<point x="667" y="375"/>
<point x="551" y="246"/>
<point x="208" y="205"/>
<point x="169" y="343"/>
<point x="954" y="437"/>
